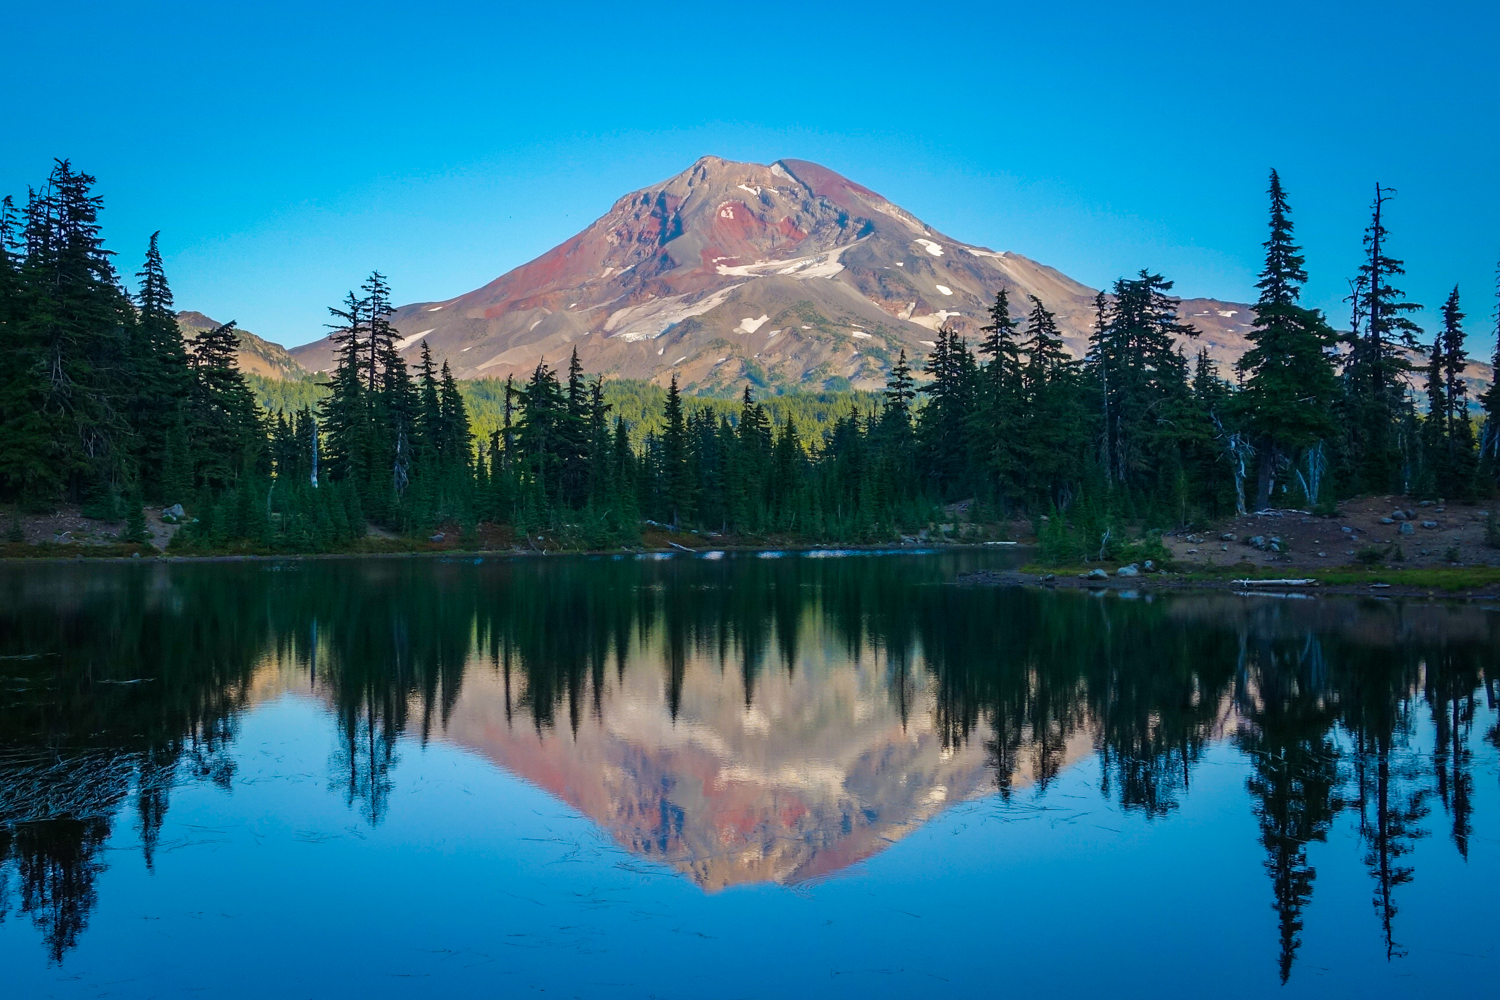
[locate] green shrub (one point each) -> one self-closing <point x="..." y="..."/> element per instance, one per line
<point x="1057" y="545"/>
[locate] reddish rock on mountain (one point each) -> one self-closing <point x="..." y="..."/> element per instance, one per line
<point x="789" y="272"/>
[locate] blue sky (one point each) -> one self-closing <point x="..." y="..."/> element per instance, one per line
<point x="285" y="152"/>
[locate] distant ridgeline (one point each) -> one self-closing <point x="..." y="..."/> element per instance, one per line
<point x="104" y="403"/>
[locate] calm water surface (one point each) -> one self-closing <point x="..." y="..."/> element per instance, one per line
<point x="743" y="777"/>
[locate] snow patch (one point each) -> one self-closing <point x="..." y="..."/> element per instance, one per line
<point x="749" y="325"/>
<point x="933" y="248"/>
<point x="945" y="289"/>
<point x="818" y="265"/>
<point x="434" y="309"/>
<point x="406" y="342"/>
<point x="900" y="263"/>
<point x="860" y="335"/>
<point x="935" y="321"/>
<point x="649" y="320"/>
<point x="680" y="360"/>
<point x="726" y="210"/>
<point x="1226" y="313"/>
<point x="753" y="190"/>
<point x="987" y="253"/>
<point x="928" y="343"/>
<point x="535" y="324"/>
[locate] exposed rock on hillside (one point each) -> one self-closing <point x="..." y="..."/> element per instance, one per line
<point x="788" y="273"/>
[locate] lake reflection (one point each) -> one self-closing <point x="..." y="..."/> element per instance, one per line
<point x="750" y="722"/>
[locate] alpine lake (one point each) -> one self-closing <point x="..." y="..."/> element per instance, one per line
<point x="746" y="775"/>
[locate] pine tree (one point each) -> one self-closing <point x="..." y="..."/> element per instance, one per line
<point x="228" y="433"/>
<point x="1143" y="380"/>
<point x="135" y="521"/>
<point x="944" y="428"/>
<point x="1435" y="427"/>
<point x="1375" y="367"/>
<point x="160" y="367"/>
<point x="380" y="335"/>
<point x="575" y="434"/>
<point x="1054" y="430"/>
<point x="1289" y="384"/>
<point x="998" y="415"/>
<point x="1459" y="462"/>
<point x="676" y="485"/>
<point x="342" y="413"/>
<point x="1489" y="448"/>
<point x="65" y="378"/>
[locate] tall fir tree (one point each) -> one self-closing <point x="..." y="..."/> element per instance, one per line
<point x="675" y="480"/>
<point x="998" y="415"/>
<point x="1375" y="367"/>
<point x="1143" y="379"/>
<point x="1289" y="384"/>
<point x="1489" y="447"/>
<point x="160" y="365"/>
<point x="229" y="435"/>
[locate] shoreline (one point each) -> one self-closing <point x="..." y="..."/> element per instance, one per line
<point x="1459" y="583"/>
<point x="518" y="553"/>
<point x="1381" y="585"/>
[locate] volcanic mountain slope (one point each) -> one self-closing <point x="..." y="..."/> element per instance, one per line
<point x="786" y="274"/>
<point x="255" y="355"/>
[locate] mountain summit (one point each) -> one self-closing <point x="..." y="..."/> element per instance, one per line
<point x="786" y="274"/>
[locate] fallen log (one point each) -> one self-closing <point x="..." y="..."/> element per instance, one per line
<point x="1307" y="582"/>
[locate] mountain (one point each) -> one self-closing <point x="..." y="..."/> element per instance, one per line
<point x="256" y="356"/>
<point x="786" y="274"/>
<point x="822" y="771"/>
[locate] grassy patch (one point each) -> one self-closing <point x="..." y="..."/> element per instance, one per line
<point x="53" y="550"/>
<point x="1450" y="578"/>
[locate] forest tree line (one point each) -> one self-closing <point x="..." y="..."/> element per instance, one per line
<point x="103" y="403"/>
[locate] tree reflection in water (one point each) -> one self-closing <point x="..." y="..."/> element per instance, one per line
<point x="122" y="682"/>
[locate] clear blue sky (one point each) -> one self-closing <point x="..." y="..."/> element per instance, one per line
<point x="285" y="152"/>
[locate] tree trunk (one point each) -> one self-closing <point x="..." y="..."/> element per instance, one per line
<point x="1266" y="473"/>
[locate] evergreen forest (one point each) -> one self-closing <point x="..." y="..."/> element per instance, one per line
<point x="104" y="404"/>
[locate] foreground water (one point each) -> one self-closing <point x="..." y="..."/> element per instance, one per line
<point x="747" y="777"/>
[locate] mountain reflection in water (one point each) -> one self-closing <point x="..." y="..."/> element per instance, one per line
<point x="739" y="721"/>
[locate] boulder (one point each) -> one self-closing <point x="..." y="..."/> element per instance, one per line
<point x="174" y="511"/>
<point x="1131" y="570"/>
<point x="1430" y="525"/>
<point x="1406" y="529"/>
<point x="1097" y="574"/>
<point x="437" y="537"/>
<point x="1397" y="515"/>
